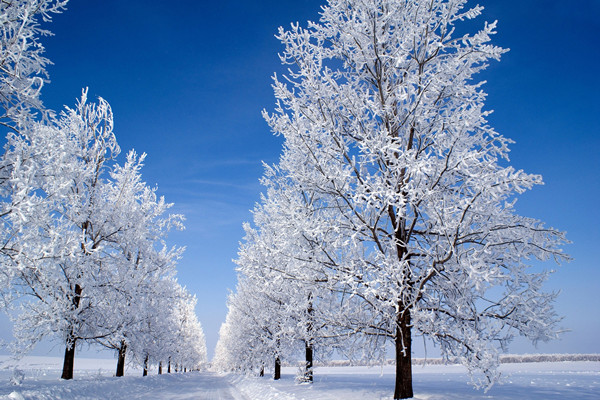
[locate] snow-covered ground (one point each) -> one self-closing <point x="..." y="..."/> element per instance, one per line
<point x="528" y="381"/>
<point x="94" y="380"/>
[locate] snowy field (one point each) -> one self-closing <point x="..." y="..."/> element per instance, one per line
<point x="94" y="380"/>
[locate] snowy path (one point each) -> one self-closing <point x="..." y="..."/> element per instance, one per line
<point x="193" y="385"/>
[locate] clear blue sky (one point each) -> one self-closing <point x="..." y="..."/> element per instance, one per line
<point x="187" y="81"/>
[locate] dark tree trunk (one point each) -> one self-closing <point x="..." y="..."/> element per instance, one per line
<point x="403" y="389"/>
<point x="160" y="368"/>
<point x="145" y="373"/>
<point x="262" y="371"/>
<point x="277" y="374"/>
<point x="69" y="361"/>
<point x="308" y="344"/>
<point x="121" y="359"/>
<point x="403" y="341"/>
<point x="308" y="372"/>
<point x="184" y="369"/>
<point x="169" y="366"/>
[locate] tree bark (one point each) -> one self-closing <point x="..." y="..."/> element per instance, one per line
<point x="403" y="389"/>
<point x="262" y="371"/>
<point x="277" y="374"/>
<point x="403" y="341"/>
<point x="121" y="359"/>
<point x="169" y="366"/>
<point x="308" y="372"/>
<point x="160" y="368"/>
<point x="145" y="373"/>
<point x="69" y="361"/>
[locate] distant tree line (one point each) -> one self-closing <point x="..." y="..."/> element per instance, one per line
<point x="82" y="236"/>
<point x="504" y="359"/>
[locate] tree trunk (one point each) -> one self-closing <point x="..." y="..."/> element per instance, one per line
<point x="160" y="368"/>
<point x="169" y="366"/>
<point x="403" y="389"/>
<point x="403" y="341"/>
<point x="121" y="359"/>
<point x="69" y="361"/>
<point x="277" y="374"/>
<point x="308" y="343"/>
<point x="145" y="373"/>
<point x="262" y="371"/>
<point x="308" y="372"/>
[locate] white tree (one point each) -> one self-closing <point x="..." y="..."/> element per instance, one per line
<point x="189" y="335"/>
<point x="142" y="260"/>
<point x="248" y="339"/>
<point x="282" y="260"/>
<point x="82" y="238"/>
<point x="168" y="330"/>
<point x="223" y="358"/>
<point x="22" y="74"/>
<point x="85" y="240"/>
<point x="90" y="252"/>
<point x="383" y="120"/>
<point x="22" y="64"/>
<point x="64" y="239"/>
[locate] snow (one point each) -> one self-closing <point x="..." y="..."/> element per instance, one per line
<point x="534" y="381"/>
<point x="94" y="380"/>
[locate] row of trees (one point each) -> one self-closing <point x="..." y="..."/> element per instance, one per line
<point x="391" y="213"/>
<point x="82" y="248"/>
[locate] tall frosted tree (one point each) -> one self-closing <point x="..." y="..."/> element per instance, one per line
<point x="68" y="225"/>
<point x="89" y="234"/>
<point x="83" y="239"/>
<point x="22" y="75"/>
<point x="141" y="265"/>
<point x="168" y="332"/>
<point x="382" y="115"/>
<point x="284" y="261"/>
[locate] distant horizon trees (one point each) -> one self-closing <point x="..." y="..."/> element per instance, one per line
<point x="393" y="196"/>
<point x="84" y="254"/>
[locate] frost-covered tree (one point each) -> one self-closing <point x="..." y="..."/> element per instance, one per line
<point x="22" y="64"/>
<point x="250" y="338"/>
<point x="223" y="358"/>
<point x="142" y="261"/>
<point x="82" y="238"/>
<point x="65" y="238"/>
<point x="89" y="234"/>
<point x="384" y="121"/>
<point x="22" y="74"/>
<point x="169" y="331"/>
<point x="282" y="259"/>
<point x="190" y="344"/>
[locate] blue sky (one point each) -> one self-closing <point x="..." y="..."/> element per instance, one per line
<point x="187" y="81"/>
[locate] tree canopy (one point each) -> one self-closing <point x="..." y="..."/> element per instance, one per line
<point x="393" y="190"/>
